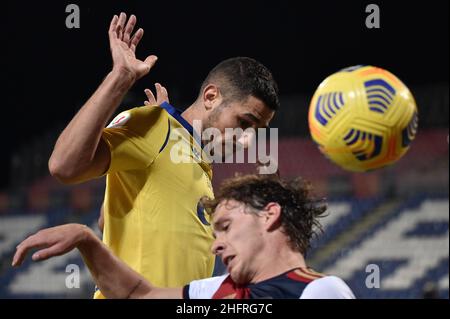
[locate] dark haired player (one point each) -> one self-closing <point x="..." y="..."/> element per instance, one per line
<point x="152" y="217"/>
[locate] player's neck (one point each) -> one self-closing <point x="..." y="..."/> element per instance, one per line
<point x="278" y="262"/>
<point x="191" y="114"/>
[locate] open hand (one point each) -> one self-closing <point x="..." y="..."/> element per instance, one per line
<point x="51" y="242"/>
<point x="123" y="47"/>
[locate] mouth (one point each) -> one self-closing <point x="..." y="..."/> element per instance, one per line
<point x="226" y="261"/>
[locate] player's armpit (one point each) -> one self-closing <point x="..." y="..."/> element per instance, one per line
<point x="100" y="163"/>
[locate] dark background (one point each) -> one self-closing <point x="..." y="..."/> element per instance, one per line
<point x="52" y="70"/>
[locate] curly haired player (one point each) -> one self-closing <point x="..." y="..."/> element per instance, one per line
<point x="262" y="229"/>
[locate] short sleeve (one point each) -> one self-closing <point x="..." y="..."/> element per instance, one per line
<point x="329" y="287"/>
<point x="204" y="288"/>
<point x="135" y="137"/>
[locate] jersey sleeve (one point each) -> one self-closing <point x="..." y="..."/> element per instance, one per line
<point x="330" y="287"/>
<point x="204" y="288"/>
<point x="135" y="137"/>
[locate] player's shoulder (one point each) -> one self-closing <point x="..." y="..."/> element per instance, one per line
<point x="328" y="287"/>
<point x="138" y="116"/>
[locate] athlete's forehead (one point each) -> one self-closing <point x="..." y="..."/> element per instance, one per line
<point x="256" y="111"/>
<point x="224" y="211"/>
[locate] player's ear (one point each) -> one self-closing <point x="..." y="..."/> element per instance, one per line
<point x="211" y="96"/>
<point x="272" y="216"/>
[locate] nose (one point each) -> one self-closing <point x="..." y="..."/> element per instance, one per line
<point x="218" y="247"/>
<point x="246" y="138"/>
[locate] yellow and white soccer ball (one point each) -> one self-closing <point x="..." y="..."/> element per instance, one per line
<point x="363" y="118"/>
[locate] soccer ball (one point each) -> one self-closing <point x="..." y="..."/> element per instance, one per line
<point x="363" y="118"/>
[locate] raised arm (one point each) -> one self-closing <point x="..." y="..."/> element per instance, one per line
<point x="80" y="153"/>
<point x="113" y="277"/>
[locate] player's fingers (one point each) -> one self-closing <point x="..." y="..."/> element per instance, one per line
<point x="136" y="39"/>
<point x="165" y="94"/>
<point x="129" y="28"/>
<point x="146" y="66"/>
<point x="150" y="97"/>
<point x="113" y="26"/>
<point x="46" y="253"/>
<point x="161" y="94"/>
<point x="147" y="103"/>
<point x="151" y="60"/>
<point x="121" y="25"/>
<point x="22" y="249"/>
<point x="158" y="92"/>
<point x="19" y="256"/>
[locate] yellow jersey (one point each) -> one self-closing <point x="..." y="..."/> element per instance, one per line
<point x="153" y="219"/>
